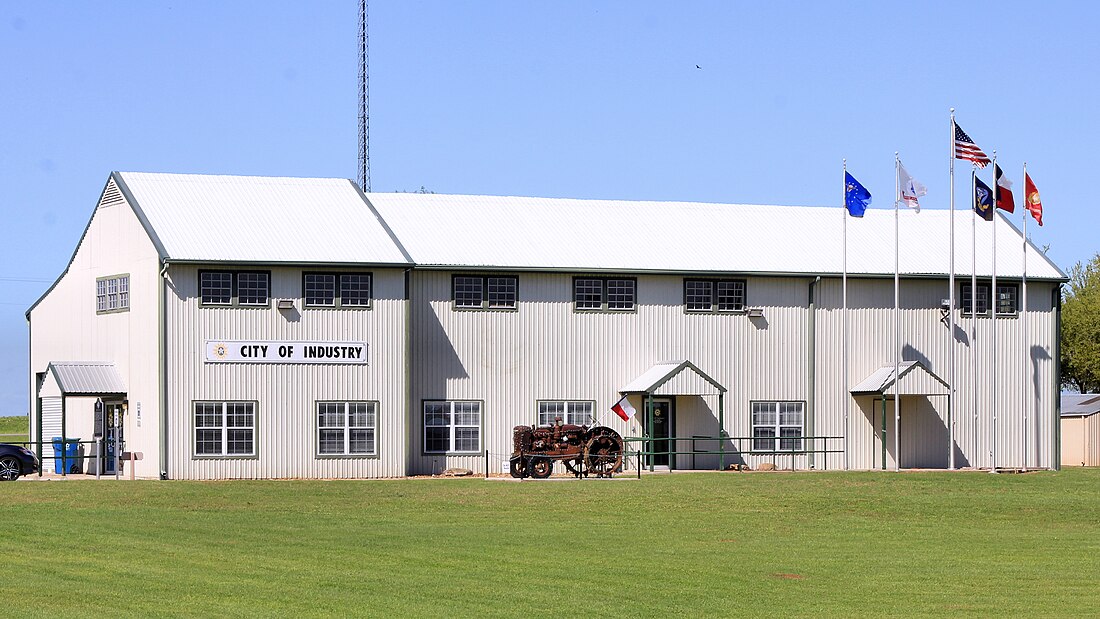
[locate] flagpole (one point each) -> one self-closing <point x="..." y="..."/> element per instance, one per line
<point x="974" y="305"/>
<point x="951" y="310"/>
<point x="1023" y="316"/>
<point x="995" y="300"/>
<point x="897" y="317"/>
<point x="844" y="295"/>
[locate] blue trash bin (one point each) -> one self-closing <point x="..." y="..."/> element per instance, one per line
<point x="72" y="455"/>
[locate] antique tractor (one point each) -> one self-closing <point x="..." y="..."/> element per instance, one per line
<point x="585" y="451"/>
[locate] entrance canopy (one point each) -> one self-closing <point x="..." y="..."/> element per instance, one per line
<point x="912" y="379"/>
<point x="673" y="378"/>
<point x="87" y="378"/>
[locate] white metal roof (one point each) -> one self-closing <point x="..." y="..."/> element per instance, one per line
<point x="661" y="373"/>
<point x="260" y="219"/>
<point x="915" y="380"/>
<point x="568" y="234"/>
<point x="87" y="377"/>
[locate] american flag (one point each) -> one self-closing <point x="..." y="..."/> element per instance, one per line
<point x="965" y="148"/>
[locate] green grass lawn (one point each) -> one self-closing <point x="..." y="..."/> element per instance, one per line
<point x="13" y="429"/>
<point x="745" y="544"/>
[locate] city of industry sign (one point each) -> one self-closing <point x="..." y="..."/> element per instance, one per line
<point x="235" y="351"/>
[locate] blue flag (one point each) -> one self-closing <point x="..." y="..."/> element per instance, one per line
<point x="983" y="200"/>
<point x="856" y="196"/>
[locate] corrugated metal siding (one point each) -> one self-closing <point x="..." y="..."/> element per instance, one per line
<point x="262" y="219"/>
<point x="924" y="337"/>
<point x="51" y="423"/>
<point x="545" y="350"/>
<point x="66" y="327"/>
<point x="286" y="394"/>
<point x="542" y="233"/>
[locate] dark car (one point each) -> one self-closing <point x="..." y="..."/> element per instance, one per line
<point x="16" y="461"/>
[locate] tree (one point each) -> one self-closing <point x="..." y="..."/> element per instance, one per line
<point x="1081" y="328"/>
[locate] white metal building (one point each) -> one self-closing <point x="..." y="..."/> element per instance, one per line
<point x="251" y="327"/>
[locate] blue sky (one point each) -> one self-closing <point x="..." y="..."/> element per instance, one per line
<point x="564" y="99"/>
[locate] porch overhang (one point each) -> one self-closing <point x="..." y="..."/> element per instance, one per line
<point x="912" y="379"/>
<point x="87" y="378"/>
<point x="673" y="378"/>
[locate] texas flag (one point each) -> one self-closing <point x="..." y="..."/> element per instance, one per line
<point x="623" y="409"/>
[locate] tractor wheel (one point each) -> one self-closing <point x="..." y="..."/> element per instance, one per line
<point x="518" y="467"/>
<point x="541" y="468"/>
<point x="604" y="452"/>
<point x="577" y="467"/>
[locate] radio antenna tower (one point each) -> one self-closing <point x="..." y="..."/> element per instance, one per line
<point x="364" y="116"/>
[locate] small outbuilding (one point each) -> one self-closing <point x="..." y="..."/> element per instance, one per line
<point x="1080" y="429"/>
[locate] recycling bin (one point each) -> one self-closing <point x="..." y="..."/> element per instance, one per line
<point x="72" y="454"/>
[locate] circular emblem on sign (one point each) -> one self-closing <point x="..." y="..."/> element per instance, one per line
<point x="220" y="351"/>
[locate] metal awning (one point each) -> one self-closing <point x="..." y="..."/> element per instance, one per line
<point x="670" y="378"/>
<point x="913" y="379"/>
<point x="87" y="378"/>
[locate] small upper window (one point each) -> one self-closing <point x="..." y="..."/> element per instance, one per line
<point x="248" y="288"/>
<point x="1007" y="295"/>
<point x="604" y="293"/>
<point x="710" y="295"/>
<point x="485" y="292"/>
<point x="337" y="289"/>
<point x="112" y="294"/>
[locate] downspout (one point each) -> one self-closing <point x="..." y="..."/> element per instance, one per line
<point x="162" y="360"/>
<point x="1056" y="454"/>
<point x="811" y="367"/>
<point x="409" y="448"/>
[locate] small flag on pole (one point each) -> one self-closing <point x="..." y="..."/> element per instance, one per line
<point x="983" y="200"/>
<point x="856" y="196"/>
<point x="623" y="409"/>
<point x="1031" y="200"/>
<point x="965" y="148"/>
<point x="1005" y="201"/>
<point x="911" y="189"/>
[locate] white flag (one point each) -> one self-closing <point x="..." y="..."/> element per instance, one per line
<point x="911" y="188"/>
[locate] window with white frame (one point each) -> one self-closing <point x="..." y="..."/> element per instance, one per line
<point x="782" y="420"/>
<point x="484" y="292"/>
<point x="1006" y="300"/>
<point x="570" y="412"/>
<point x="243" y="288"/>
<point x="337" y="289"/>
<point x="452" y="426"/>
<point x="346" y="428"/>
<point x="714" y="295"/>
<point x="225" y="429"/>
<point x="112" y="294"/>
<point x="604" y="294"/>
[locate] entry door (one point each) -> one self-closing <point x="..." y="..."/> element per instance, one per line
<point x="664" y="427"/>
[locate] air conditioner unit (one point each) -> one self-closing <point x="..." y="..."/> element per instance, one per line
<point x="285" y="304"/>
<point x="756" y="312"/>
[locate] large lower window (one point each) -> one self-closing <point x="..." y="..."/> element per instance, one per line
<point x="337" y="289"/>
<point x="1006" y="299"/>
<point x="484" y="292"/>
<point x="604" y="293"/>
<point x="247" y="288"/>
<point x="225" y="429"/>
<point x="452" y="427"/>
<point x="777" y="419"/>
<point x="714" y="295"/>
<point x="112" y="294"/>
<point x="576" y="413"/>
<point x="346" y="428"/>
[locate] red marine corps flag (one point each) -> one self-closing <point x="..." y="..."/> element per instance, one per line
<point x="623" y="409"/>
<point x="1031" y="200"/>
